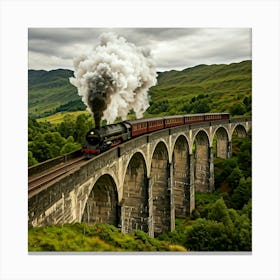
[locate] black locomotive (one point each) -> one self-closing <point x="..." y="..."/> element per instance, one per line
<point x="101" y="139"/>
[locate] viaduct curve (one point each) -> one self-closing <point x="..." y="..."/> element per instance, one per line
<point x="142" y="184"/>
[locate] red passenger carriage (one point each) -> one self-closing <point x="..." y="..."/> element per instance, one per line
<point x="173" y="121"/>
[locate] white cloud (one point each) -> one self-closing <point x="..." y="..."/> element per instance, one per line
<point x="172" y="48"/>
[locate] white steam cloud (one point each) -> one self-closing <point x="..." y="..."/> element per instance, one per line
<point x="114" y="78"/>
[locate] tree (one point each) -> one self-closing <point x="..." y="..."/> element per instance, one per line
<point x="81" y="128"/>
<point x="201" y="107"/>
<point x="222" y="229"/>
<point x="70" y="146"/>
<point x="238" y="109"/>
<point x="56" y="142"/>
<point x="40" y="148"/>
<point x="31" y="159"/>
<point x="242" y="193"/>
<point x="234" y="178"/>
<point x="219" y="213"/>
<point x="67" y="127"/>
<point x="206" y="235"/>
<point x="245" y="157"/>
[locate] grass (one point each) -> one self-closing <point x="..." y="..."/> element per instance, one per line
<point x="58" y="117"/>
<point x="81" y="237"/>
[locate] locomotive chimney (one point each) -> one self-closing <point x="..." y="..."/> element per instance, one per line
<point x="97" y="119"/>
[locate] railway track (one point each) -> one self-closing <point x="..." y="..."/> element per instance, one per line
<point x="38" y="181"/>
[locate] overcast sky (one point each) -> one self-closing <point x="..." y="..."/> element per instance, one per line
<point x="172" y="48"/>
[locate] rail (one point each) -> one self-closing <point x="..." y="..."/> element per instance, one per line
<point x="40" y="167"/>
<point x="37" y="182"/>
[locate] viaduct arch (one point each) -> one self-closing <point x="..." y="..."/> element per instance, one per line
<point x="142" y="184"/>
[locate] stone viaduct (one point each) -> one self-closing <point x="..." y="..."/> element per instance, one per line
<point x="142" y="184"/>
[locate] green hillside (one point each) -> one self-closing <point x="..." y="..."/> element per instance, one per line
<point x="50" y="92"/>
<point x="199" y="89"/>
<point x="203" y="88"/>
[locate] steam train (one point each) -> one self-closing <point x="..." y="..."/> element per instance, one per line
<point x="101" y="139"/>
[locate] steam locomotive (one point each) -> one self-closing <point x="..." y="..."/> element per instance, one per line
<point x="101" y="139"/>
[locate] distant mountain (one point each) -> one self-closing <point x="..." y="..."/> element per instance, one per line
<point x="197" y="89"/>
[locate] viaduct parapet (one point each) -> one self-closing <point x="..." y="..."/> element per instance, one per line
<point x="142" y="184"/>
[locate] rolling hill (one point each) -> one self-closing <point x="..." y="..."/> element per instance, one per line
<point x="50" y="92"/>
<point x="199" y="89"/>
<point x="217" y="86"/>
